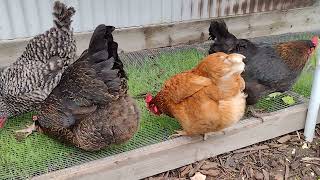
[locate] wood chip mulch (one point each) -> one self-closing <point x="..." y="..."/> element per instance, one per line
<point x="282" y="158"/>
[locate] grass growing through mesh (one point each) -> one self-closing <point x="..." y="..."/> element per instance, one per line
<point x="304" y="83"/>
<point x="39" y="154"/>
<point x="302" y="86"/>
<point x="150" y="77"/>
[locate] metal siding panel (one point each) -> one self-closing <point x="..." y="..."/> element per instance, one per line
<point x="111" y="12"/>
<point x="229" y="11"/>
<point x="195" y="14"/>
<point x="213" y="11"/>
<point x="245" y="6"/>
<point x="145" y="12"/>
<point x="99" y="16"/>
<point x="134" y="17"/>
<point x="5" y="22"/>
<point x="122" y="10"/>
<point x="237" y="10"/>
<point x="176" y="10"/>
<point x="222" y="7"/>
<point x="204" y="12"/>
<point x="186" y="10"/>
<point x="23" y="18"/>
<point x="17" y="18"/>
<point x="156" y="9"/>
<point x="31" y="17"/>
<point x="44" y="8"/>
<point x="167" y="6"/>
<point x="86" y="13"/>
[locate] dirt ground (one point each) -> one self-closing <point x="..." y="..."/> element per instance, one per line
<point x="286" y="157"/>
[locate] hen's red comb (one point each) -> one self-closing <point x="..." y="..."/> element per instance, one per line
<point x="148" y="98"/>
<point x="315" y="40"/>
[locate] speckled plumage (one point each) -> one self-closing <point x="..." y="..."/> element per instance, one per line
<point x="29" y="80"/>
<point x="90" y="107"/>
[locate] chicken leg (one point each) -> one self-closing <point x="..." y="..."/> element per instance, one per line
<point x="206" y="135"/>
<point x="178" y="134"/>
<point x="23" y="133"/>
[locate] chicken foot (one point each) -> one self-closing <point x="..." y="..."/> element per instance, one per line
<point x="178" y="134"/>
<point x="256" y="114"/>
<point x="24" y="133"/>
<point x="206" y="135"/>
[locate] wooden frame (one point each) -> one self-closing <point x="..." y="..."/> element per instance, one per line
<point x="171" y="154"/>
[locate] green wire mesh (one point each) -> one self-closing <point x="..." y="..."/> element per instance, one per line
<point x="17" y="161"/>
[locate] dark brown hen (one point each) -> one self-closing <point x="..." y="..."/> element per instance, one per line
<point x="90" y="107"/>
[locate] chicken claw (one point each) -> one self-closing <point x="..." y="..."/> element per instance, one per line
<point x="206" y="135"/>
<point x="177" y="134"/>
<point x="23" y="133"/>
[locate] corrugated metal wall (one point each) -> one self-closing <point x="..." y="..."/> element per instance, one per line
<point x="25" y="18"/>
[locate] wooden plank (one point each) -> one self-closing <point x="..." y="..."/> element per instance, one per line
<point x="178" y="152"/>
<point x="154" y="36"/>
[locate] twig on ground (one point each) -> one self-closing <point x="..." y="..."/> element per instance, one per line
<point x="256" y="148"/>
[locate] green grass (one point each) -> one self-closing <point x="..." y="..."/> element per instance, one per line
<point x="39" y="153"/>
<point x="304" y="83"/>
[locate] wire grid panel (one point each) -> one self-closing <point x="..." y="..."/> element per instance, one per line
<point x="66" y="156"/>
<point x="272" y="104"/>
<point x="60" y="156"/>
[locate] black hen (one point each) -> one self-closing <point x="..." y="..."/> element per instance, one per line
<point x="269" y="67"/>
<point x="90" y="107"/>
<point x="226" y="42"/>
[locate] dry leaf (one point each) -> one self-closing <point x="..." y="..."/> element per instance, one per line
<point x="209" y="165"/>
<point x="184" y="171"/>
<point x="284" y="139"/>
<point x="198" y="176"/>
<point x="305" y="145"/>
<point x="210" y="172"/>
<point x="266" y="174"/>
<point x="278" y="177"/>
<point x="258" y="176"/>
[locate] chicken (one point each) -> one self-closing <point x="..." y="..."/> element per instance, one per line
<point x="90" y="107"/>
<point x="29" y="80"/>
<point x="269" y="67"/>
<point x="205" y="99"/>
<point x="226" y="42"/>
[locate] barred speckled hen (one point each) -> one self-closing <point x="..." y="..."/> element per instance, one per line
<point x="29" y="80"/>
<point x="90" y="107"/>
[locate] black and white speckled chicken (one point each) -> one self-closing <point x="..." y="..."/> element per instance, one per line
<point x="29" y="80"/>
<point x="90" y="107"/>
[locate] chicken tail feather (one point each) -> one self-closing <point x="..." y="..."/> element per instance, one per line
<point x="62" y="15"/>
<point x="105" y="59"/>
<point x="218" y="29"/>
